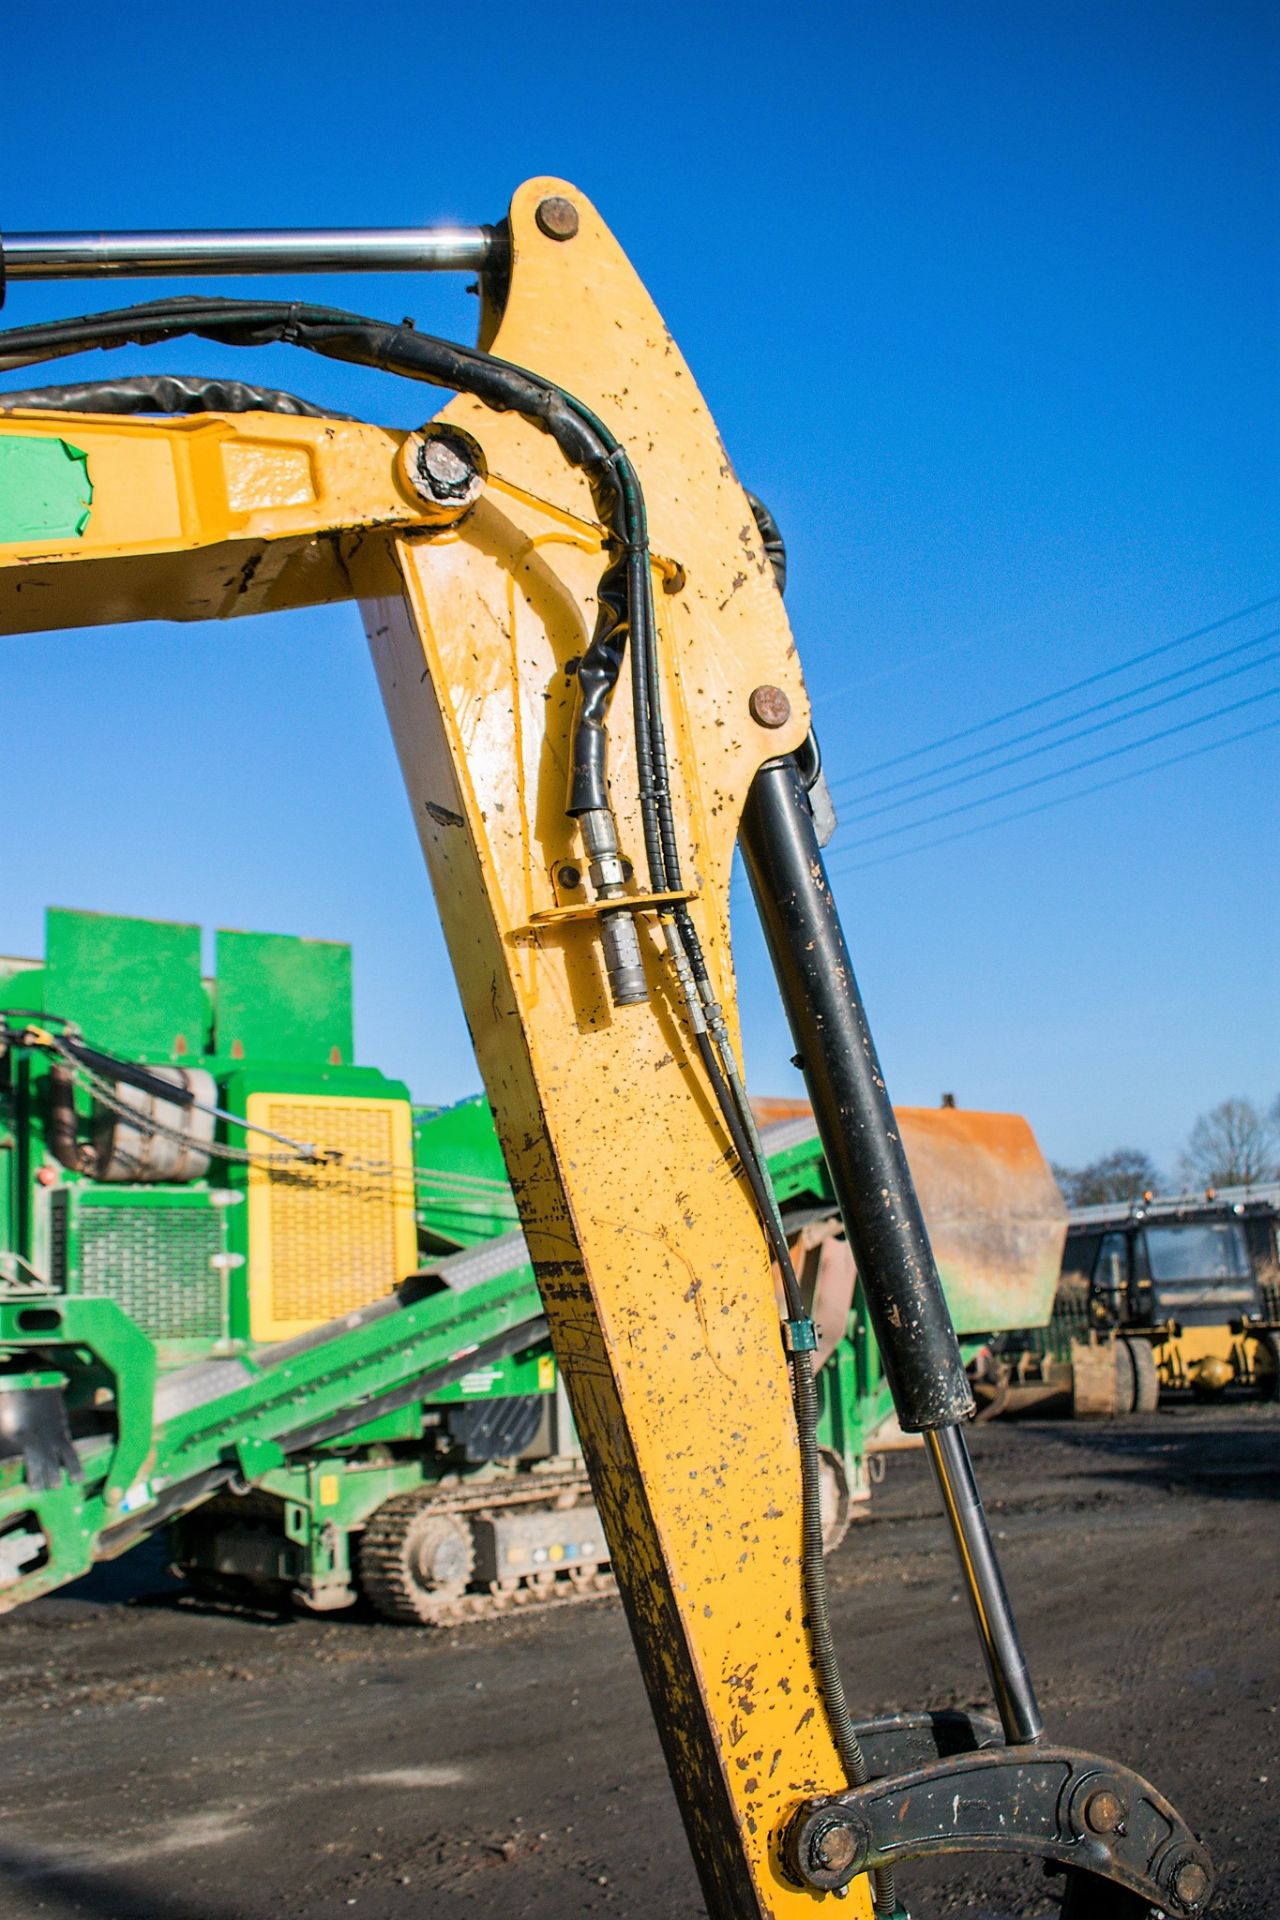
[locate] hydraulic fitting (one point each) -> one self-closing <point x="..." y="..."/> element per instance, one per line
<point x="607" y="872"/>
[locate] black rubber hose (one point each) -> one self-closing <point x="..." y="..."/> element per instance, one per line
<point x="775" y="549"/>
<point x="581" y="437"/>
<point x="330" y="331"/>
<point x="133" y="1075"/>
<point x="163" y="393"/>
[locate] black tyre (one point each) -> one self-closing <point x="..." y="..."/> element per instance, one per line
<point x="1266" y="1366"/>
<point x="1126" y="1379"/>
<point x="1146" y="1378"/>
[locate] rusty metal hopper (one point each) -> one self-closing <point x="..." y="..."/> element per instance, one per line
<point x="994" y="1212"/>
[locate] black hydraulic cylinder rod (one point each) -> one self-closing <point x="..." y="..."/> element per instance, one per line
<point x="877" y="1198"/>
<point x="869" y="1171"/>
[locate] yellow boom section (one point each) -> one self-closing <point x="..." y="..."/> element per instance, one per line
<point x="647" y="1245"/>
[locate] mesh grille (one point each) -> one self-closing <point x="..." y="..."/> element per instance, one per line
<point x="153" y="1261"/>
<point x="332" y="1232"/>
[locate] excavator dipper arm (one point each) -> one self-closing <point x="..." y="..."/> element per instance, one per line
<point x="593" y="690"/>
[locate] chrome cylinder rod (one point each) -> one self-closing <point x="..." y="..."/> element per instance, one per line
<point x="135" y="256"/>
<point x="1001" y="1648"/>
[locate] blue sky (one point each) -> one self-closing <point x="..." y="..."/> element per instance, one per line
<point x="984" y="300"/>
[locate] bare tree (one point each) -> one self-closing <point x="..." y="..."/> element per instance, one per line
<point x="1234" y="1144"/>
<point x="1124" y="1174"/>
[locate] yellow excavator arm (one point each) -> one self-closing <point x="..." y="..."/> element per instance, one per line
<point x="576" y="623"/>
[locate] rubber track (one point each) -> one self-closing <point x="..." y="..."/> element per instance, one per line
<point x="380" y="1566"/>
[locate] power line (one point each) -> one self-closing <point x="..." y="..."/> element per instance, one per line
<point x="1081" y="713"/>
<point x="1060" y="773"/>
<point x="1081" y="733"/>
<point x="1062" y="693"/>
<point x="1062" y="799"/>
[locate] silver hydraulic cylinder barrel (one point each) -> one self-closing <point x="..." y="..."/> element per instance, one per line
<point x="179" y="254"/>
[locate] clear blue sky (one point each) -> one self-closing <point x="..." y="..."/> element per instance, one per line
<point x="984" y="300"/>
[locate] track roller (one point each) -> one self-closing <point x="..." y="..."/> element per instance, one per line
<point x="414" y="1563"/>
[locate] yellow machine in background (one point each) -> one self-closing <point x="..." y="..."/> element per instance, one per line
<point x="595" y="696"/>
<point x="1181" y="1279"/>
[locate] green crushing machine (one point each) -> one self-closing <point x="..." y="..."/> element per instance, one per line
<point x="249" y="1293"/>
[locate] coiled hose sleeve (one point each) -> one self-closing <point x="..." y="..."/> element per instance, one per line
<point x="852" y="1758"/>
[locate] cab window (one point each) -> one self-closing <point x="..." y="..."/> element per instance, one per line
<point x="1208" y="1251"/>
<point x="1111" y="1276"/>
<point x="1111" y="1268"/>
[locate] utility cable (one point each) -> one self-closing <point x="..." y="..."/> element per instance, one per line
<point x="1061" y="773"/>
<point x="1052" y="746"/>
<point x="1063" y="799"/>
<point x="1061" y="693"/>
<point x="1052" y="726"/>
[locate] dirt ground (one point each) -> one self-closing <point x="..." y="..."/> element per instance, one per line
<point x="166" y="1763"/>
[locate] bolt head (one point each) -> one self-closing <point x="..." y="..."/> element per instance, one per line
<point x="769" y="707"/>
<point x="1104" y="1811"/>
<point x="446" y="469"/>
<point x="834" y="1848"/>
<point x="1191" y="1883"/>
<point x="568" y="876"/>
<point x="557" y="217"/>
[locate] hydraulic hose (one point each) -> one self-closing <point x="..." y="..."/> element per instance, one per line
<point x="825" y="1658"/>
<point x="582" y="438"/>
<point x="162" y="393"/>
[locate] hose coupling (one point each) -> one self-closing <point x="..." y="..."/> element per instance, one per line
<point x="608" y="873"/>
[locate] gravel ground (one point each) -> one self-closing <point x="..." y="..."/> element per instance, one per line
<point x="167" y="1763"/>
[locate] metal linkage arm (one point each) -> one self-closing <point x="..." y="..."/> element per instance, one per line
<point x="1090" y="1816"/>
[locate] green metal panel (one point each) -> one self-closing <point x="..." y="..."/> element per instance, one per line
<point x="463" y="1193"/>
<point x="799" y="1173"/>
<point x="152" y="1252"/>
<point x="532" y="1371"/>
<point x="45" y="489"/>
<point x="283" y="998"/>
<point x="133" y="986"/>
<point x="21" y="984"/>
